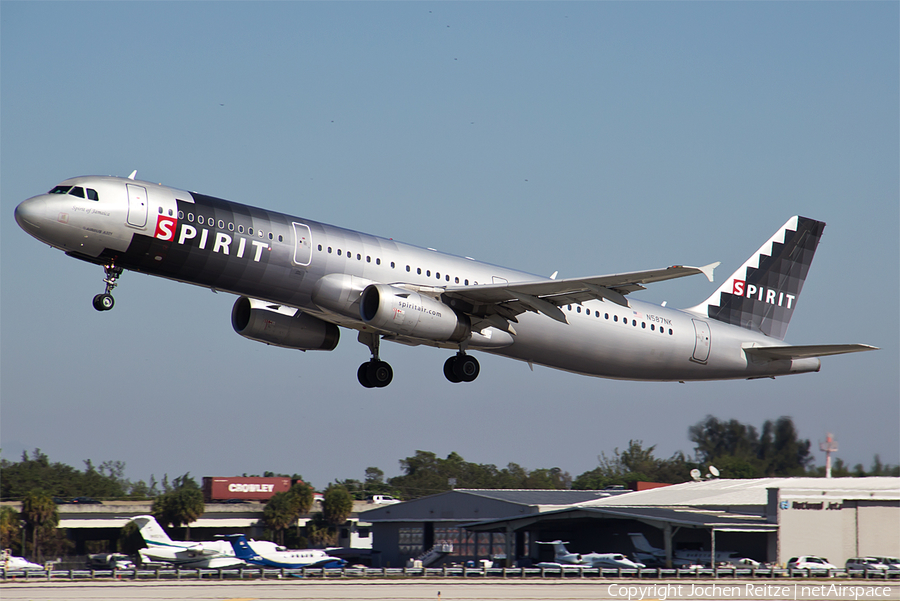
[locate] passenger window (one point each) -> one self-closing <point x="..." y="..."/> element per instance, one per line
<point x="191" y="217"/>
<point x="467" y="282"/>
<point x="358" y="257"/>
<point x="437" y="275"/>
<point x="170" y="210"/>
<point x="407" y="268"/>
<point x="92" y="195"/>
<point x="260" y="233"/>
<point x="368" y="259"/>
<point x="670" y="331"/>
<point x="606" y="315"/>
<point x="230" y="227"/>
<point x="652" y="328"/>
<point x="271" y="236"/>
<point x="578" y="309"/>
<point x="339" y="252"/>
<point x="320" y="247"/>
<point x="221" y="224"/>
<point x="419" y="270"/>
<point x="643" y="325"/>
<point x="77" y="191"/>
<point x="250" y="231"/>
<point x="241" y="229"/>
<point x="456" y="280"/>
<point x="200" y="219"/>
<point x="428" y="273"/>
<point x="615" y="318"/>
<point x="329" y="250"/>
<point x="160" y="210"/>
<point x="181" y="215"/>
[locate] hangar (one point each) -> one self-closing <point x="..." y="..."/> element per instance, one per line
<point x="767" y="519"/>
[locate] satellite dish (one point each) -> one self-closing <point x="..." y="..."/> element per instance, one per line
<point x="714" y="471"/>
<point x="695" y="475"/>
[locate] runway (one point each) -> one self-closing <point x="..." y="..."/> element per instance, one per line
<point x="444" y="590"/>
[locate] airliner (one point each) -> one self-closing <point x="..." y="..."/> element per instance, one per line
<point x="282" y="558"/>
<point x="298" y="282"/>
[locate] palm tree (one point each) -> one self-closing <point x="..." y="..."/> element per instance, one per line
<point x="337" y="505"/>
<point x="179" y="508"/>
<point x="38" y="511"/>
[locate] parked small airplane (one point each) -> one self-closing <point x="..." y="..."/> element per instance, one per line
<point x="13" y="562"/>
<point x="594" y="560"/>
<point x="250" y="552"/>
<point x="684" y="558"/>
<point x="298" y="281"/>
<point x="185" y="554"/>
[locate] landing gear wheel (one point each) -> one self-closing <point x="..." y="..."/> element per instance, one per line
<point x="380" y="373"/>
<point x="466" y="368"/>
<point x="362" y="374"/>
<point x="450" y="371"/>
<point x="375" y="374"/>
<point x="104" y="302"/>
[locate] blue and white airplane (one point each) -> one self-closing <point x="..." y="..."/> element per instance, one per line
<point x="288" y="559"/>
<point x="298" y="281"/>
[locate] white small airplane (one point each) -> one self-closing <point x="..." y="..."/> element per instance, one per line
<point x="299" y="281"/>
<point x="250" y="552"/>
<point x="685" y="558"/>
<point x="12" y="563"/>
<point x="185" y="554"/>
<point x="563" y="557"/>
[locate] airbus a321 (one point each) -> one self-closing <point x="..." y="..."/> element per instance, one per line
<point x="299" y="281"/>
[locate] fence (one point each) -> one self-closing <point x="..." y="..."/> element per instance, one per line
<point x="445" y="572"/>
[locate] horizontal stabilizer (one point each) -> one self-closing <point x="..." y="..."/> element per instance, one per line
<point x="806" y="351"/>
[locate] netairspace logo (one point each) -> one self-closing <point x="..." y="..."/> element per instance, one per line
<point x="663" y="592"/>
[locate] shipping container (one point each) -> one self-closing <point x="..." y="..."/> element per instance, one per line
<point x="244" y="488"/>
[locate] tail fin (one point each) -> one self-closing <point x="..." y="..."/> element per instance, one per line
<point x="242" y="549"/>
<point x="151" y="530"/>
<point x="762" y="294"/>
<point x="641" y="543"/>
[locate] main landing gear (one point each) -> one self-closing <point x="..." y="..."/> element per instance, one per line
<point x="105" y="301"/>
<point x="461" y="368"/>
<point x="375" y="373"/>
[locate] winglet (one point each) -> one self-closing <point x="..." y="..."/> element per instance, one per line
<point x="707" y="270"/>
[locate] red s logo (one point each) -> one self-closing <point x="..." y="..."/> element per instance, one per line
<point x="738" y="288"/>
<point x="165" y="227"/>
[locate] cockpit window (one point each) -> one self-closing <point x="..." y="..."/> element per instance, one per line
<point x="76" y="191"/>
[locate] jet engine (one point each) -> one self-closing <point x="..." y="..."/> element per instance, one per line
<point x="282" y="326"/>
<point x="407" y="313"/>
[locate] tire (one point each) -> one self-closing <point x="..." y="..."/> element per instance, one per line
<point x="379" y="373"/>
<point x="450" y="371"/>
<point x="362" y="374"/>
<point x="466" y="368"/>
<point x="104" y="302"/>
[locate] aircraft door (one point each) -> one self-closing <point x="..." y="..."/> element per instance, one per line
<point x="702" y="341"/>
<point x="137" y="205"/>
<point x="302" y="244"/>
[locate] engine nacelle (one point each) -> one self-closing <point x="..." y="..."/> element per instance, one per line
<point x="282" y="326"/>
<point x="410" y="314"/>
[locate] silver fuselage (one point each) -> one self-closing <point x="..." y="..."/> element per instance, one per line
<point x="280" y="258"/>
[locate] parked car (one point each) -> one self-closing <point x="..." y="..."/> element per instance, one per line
<point x="86" y="501"/>
<point x="810" y="562"/>
<point x="893" y="563"/>
<point x="383" y="500"/>
<point x="866" y="563"/>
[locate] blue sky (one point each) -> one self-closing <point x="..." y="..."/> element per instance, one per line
<point x="586" y="137"/>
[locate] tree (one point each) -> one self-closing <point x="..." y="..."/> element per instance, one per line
<point x="337" y="505"/>
<point x="740" y="452"/>
<point x="10" y="530"/>
<point x="634" y="464"/>
<point x="180" y="505"/>
<point x="40" y="513"/>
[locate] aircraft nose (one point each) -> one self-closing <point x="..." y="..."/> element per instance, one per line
<point x="30" y="213"/>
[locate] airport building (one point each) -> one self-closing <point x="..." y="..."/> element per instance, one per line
<point x="768" y="519"/>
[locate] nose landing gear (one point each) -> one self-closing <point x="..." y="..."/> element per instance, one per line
<point x="105" y="301"/>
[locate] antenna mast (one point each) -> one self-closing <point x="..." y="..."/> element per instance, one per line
<point x="828" y="447"/>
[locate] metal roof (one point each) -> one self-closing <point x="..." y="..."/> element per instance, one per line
<point x="539" y="496"/>
<point x="734" y="493"/>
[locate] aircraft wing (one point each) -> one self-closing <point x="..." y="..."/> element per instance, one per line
<point x="804" y="352"/>
<point x="545" y="296"/>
